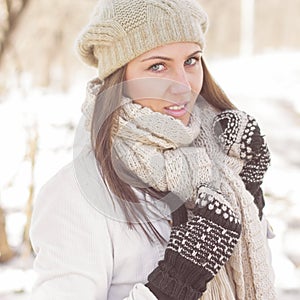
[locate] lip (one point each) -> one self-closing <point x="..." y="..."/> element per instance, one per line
<point x="176" y="113"/>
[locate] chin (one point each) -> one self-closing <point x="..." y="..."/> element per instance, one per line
<point x="185" y="120"/>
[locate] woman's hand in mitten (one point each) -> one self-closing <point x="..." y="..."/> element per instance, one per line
<point x="240" y="136"/>
<point x="197" y="249"/>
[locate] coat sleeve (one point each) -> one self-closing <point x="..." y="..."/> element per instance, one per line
<point x="140" y="292"/>
<point x="72" y="245"/>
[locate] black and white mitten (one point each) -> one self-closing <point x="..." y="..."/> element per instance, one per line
<point x="240" y="136"/>
<point x="197" y="249"/>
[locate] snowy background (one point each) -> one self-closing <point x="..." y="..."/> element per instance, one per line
<point x="39" y="52"/>
<point x="266" y="86"/>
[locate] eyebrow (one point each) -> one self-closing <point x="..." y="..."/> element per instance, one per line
<point x="167" y="58"/>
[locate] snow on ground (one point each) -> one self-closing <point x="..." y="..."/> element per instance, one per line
<point x="266" y="86"/>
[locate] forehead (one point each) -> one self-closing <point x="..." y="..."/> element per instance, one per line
<point x="173" y="49"/>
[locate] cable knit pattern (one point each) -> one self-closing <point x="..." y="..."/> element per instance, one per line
<point x="159" y="162"/>
<point x="248" y="266"/>
<point x="252" y="274"/>
<point x="119" y="30"/>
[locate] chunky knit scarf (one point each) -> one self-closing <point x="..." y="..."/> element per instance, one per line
<point x="169" y="156"/>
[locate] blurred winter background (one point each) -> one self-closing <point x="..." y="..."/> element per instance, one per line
<point x="253" y="50"/>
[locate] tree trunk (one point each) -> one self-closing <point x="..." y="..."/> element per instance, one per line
<point x="5" y="251"/>
<point x="33" y="137"/>
<point x="11" y="16"/>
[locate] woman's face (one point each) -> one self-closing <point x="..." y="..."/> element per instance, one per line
<point x="167" y="79"/>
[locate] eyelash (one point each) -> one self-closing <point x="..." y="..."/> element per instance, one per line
<point x="151" y="68"/>
<point x="197" y="59"/>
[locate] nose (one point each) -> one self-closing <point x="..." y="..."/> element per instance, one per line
<point x="180" y="83"/>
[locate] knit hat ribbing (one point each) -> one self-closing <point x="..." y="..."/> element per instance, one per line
<point x="121" y="30"/>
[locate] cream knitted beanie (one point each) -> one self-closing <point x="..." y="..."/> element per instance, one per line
<point x="121" y="30"/>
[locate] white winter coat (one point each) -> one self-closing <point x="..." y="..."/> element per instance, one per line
<point x="83" y="254"/>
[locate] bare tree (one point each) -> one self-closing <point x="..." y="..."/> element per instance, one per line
<point x="247" y="27"/>
<point x="32" y="143"/>
<point x="12" y="10"/>
<point x="5" y="251"/>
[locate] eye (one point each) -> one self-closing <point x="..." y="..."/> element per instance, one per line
<point x="157" y="68"/>
<point x="191" y="61"/>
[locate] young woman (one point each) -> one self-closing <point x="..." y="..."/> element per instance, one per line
<point x="163" y="201"/>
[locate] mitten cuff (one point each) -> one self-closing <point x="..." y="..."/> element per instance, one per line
<point x="179" y="278"/>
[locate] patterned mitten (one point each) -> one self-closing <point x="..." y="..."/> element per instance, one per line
<point x="239" y="135"/>
<point x="197" y="249"/>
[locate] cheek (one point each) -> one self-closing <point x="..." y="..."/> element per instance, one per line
<point x="140" y="87"/>
<point x="155" y="105"/>
<point x="197" y="82"/>
<point x="129" y="88"/>
<point x="132" y="86"/>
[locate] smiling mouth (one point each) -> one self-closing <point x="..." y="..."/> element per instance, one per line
<point x="176" y="107"/>
<point x="176" y="110"/>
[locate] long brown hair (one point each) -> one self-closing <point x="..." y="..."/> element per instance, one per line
<point x="104" y="124"/>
